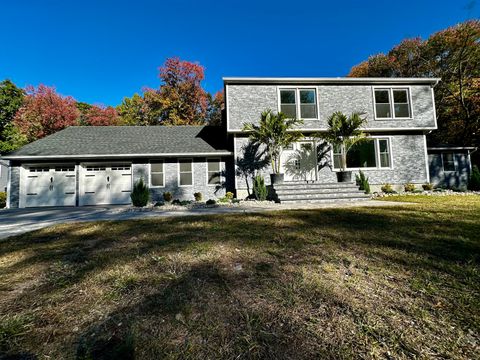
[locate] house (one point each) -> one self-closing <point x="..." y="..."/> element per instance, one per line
<point x="98" y="165"/>
<point x="450" y="166"/>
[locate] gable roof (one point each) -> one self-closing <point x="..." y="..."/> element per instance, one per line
<point x="126" y="141"/>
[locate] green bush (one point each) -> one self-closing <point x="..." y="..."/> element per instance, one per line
<point x="167" y="196"/>
<point x="140" y="194"/>
<point x="3" y="199"/>
<point x="409" y="187"/>
<point x="229" y="195"/>
<point x="159" y="203"/>
<point x="198" y="196"/>
<point x="474" y="181"/>
<point x="427" y="186"/>
<point x="211" y="202"/>
<point x="259" y="188"/>
<point x="176" y="202"/>
<point x="387" y="188"/>
<point x="362" y="182"/>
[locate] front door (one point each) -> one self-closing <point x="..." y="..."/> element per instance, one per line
<point x="299" y="162"/>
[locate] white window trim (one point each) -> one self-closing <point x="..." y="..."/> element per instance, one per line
<point x="377" y="156"/>
<point x="178" y="172"/>
<point x="390" y="89"/>
<point x="150" y="174"/>
<point x="219" y="160"/>
<point x="297" y="99"/>
<point x="455" y="163"/>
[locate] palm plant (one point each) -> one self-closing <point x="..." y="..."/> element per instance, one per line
<point x="274" y="131"/>
<point x="344" y="132"/>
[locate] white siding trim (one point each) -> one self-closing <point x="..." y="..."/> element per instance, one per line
<point x="427" y="166"/>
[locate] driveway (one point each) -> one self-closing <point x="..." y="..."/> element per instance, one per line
<point x="19" y="221"/>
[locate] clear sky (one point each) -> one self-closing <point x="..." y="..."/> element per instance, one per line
<point x="100" y="51"/>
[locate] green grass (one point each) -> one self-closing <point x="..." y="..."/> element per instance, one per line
<point x="378" y="282"/>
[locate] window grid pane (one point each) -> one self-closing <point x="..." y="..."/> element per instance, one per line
<point x="289" y="110"/>
<point x="186" y="179"/>
<point x="448" y="162"/>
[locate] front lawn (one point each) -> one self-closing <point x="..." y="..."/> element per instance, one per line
<point x="377" y="282"/>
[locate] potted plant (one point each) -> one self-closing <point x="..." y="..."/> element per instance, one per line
<point x="343" y="132"/>
<point x="274" y="131"/>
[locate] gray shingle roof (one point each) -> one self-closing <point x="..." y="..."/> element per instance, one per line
<point x="135" y="141"/>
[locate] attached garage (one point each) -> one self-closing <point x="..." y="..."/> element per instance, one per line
<point x="49" y="185"/>
<point x="102" y="184"/>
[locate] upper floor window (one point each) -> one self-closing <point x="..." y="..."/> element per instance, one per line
<point x="393" y="103"/>
<point x="299" y="103"/>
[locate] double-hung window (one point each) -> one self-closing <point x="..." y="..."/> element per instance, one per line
<point x="157" y="174"/>
<point x="213" y="172"/>
<point x="299" y="103"/>
<point x="392" y="103"/>
<point x="185" y="172"/>
<point x="371" y="153"/>
<point x="448" y="161"/>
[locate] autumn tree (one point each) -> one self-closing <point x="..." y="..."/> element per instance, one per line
<point x="45" y="112"/>
<point x="11" y="98"/>
<point x="215" y="108"/>
<point x="137" y="111"/>
<point x="99" y="115"/>
<point x="181" y="99"/>
<point x="453" y="55"/>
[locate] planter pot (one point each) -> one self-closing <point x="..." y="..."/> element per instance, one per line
<point x="276" y="178"/>
<point x="344" y="176"/>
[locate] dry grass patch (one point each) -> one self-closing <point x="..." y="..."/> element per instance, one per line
<point x="383" y="282"/>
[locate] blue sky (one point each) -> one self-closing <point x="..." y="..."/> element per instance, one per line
<point x="101" y="51"/>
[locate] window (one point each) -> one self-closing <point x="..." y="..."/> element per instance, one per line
<point x="121" y="167"/>
<point x="185" y="170"/>
<point x="371" y="153"/>
<point x="95" y="168"/>
<point x="157" y="175"/>
<point x="448" y="160"/>
<point x="39" y="169"/>
<point x="65" y="168"/>
<point x="213" y="172"/>
<point x="299" y="103"/>
<point x="385" y="108"/>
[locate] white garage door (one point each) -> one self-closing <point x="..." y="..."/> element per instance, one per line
<point x="106" y="184"/>
<point x="49" y="186"/>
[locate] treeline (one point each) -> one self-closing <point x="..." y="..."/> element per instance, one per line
<point x="34" y="112"/>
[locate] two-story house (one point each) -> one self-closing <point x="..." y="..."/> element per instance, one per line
<point x="98" y="165"/>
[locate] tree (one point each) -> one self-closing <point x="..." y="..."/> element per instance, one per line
<point x="181" y="100"/>
<point x="45" y="112"/>
<point x="99" y="115"/>
<point x="11" y="98"/>
<point x="136" y="111"/>
<point x="344" y="132"/>
<point x="453" y="55"/>
<point x="12" y="139"/>
<point x="275" y="133"/>
<point x="215" y="108"/>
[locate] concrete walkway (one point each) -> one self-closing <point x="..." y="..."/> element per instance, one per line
<point x="19" y="221"/>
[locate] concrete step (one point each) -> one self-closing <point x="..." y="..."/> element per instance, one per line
<point x="357" y="195"/>
<point x="325" y="200"/>
<point x="289" y="186"/>
<point x="286" y="191"/>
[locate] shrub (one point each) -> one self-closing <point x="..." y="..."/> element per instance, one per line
<point x="362" y="182"/>
<point x="409" y="187"/>
<point x="259" y="188"/>
<point x="167" y="196"/>
<point x="3" y="199"/>
<point x="159" y="203"/>
<point x="198" y="196"/>
<point x="211" y="202"/>
<point x="140" y="194"/>
<point x="387" y="188"/>
<point x="229" y="195"/>
<point x="176" y="202"/>
<point x="474" y="181"/>
<point x="427" y="186"/>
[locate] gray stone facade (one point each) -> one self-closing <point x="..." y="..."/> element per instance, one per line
<point x="458" y="179"/>
<point x="246" y="103"/>
<point x="409" y="163"/>
<point x="13" y="192"/>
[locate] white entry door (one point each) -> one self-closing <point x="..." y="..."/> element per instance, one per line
<point x="49" y="185"/>
<point x="106" y="184"/>
<point x="299" y="162"/>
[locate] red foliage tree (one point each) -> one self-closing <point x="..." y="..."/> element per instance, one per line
<point x="45" y="112"/>
<point x="99" y="115"/>
<point x="181" y="99"/>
